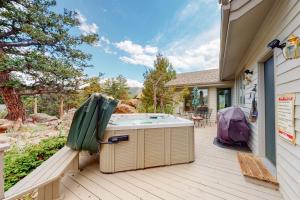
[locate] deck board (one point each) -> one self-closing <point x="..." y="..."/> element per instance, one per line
<point x="215" y="175"/>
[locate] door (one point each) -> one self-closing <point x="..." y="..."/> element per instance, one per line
<point x="270" y="110"/>
<point x="223" y="98"/>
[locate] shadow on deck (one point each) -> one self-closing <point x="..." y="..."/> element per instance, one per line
<point x="215" y="174"/>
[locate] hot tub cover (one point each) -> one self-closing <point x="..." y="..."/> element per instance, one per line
<point x="232" y="126"/>
<point x="89" y="122"/>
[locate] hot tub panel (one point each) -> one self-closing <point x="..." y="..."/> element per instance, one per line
<point x="147" y="148"/>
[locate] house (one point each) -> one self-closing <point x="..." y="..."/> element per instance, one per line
<point x="247" y="27"/>
<point x="216" y="93"/>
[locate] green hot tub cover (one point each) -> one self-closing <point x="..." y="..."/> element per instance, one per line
<point x="89" y="123"/>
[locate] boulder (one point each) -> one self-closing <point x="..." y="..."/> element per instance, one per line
<point x="124" y="108"/>
<point x="133" y="102"/>
<point x="5" y="125"/>
<point x="42" y="117"/>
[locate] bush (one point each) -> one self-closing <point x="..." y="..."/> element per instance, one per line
<point x="3" y="114"/>
<point x="18" y="163"/>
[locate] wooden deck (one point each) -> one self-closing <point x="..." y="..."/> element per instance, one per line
<point x="215" y="174"/>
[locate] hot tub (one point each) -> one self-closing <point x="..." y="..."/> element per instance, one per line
<point x="153" y="140"/>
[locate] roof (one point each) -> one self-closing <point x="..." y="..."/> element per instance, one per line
<point x="205" y="77"/>
<point x="240" y="21"/>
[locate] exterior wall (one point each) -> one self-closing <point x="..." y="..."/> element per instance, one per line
<point x="282" y="20"/>
<point x="253" y="140"/>
<point x="212" y="102"/>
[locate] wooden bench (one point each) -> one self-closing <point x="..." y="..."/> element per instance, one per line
<point x="46" y="178"/>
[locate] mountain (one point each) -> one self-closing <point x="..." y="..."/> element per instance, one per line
<point x="134" y="91"/>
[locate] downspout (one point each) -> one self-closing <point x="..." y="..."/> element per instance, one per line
<point x="224" y="30"/>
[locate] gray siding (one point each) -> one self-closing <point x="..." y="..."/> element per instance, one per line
<point x="282" y="20"/>
<point x="288" y="81"/>
<point x="253" y="140"/>
<point x="212" y="102"/>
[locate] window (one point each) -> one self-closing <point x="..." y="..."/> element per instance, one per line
<point x="241" y="90"/>
<point x="203" y="99"/>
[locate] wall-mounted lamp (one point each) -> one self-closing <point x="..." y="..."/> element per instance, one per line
<point x="247" y="71"/>
<point x="276" y="44"/>
<point x="248" y="76"/>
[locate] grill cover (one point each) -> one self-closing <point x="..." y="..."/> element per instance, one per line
<point x="232" y="126"/>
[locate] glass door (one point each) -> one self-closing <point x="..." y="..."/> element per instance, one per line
<point x="223" y="98"/>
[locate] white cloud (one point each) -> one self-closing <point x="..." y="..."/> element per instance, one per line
<point x="195" y="52"/>
<point x="206" y="56"/>
<point x="129" y="47"/>
<point x="130" y="82"/>
<point x="137" y="54"/>
<point x="106" y="45"/>
<point x="192" y="8"/>
<point x="134" y="83"/>
<point x="84" y="27"/>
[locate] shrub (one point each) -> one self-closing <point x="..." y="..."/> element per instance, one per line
<point x="18" y="163"/>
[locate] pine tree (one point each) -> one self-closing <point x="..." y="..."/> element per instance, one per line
<point x="116" y="87"/>
<point x="38" y="54"/>
<point x="156" y="96"/>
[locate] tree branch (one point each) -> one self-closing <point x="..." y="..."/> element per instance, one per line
<point x="11" y="32"/>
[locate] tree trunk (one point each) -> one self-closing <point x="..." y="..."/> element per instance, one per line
<point x="61" y="108"/>
<point x="13" y="103"/>
<point x="35" y="106"/>
<point x="154" y="99"/>
<point x="12" y="99"/>
<point x="162" y="105"/>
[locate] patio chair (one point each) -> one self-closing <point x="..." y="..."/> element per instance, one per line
<point x="208" y="116"/>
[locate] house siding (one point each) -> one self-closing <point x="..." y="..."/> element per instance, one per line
<point x="282" y="20"/>
<point x="253" y="140"/>
<point x="212" y="102"/>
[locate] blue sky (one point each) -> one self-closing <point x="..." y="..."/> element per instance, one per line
<point x="132" y="32"/>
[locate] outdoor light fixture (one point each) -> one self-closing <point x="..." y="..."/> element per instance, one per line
<point x="248" y="76"/>
<point x="276" y="44"/>
<point x="247" y="71"/>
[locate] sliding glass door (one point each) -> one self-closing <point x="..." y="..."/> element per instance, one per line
<point x="223" y="98"/>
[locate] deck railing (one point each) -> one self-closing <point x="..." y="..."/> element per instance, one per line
<point x="3" y="147"/>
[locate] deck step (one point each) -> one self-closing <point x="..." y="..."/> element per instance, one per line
<point x="255" y="171"/>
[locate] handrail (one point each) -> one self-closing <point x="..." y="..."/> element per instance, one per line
<point x="3" y="147"/>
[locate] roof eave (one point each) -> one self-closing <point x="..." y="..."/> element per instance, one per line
<point x="208" y="84"/>
<point x="225" y="11"/>
<point x="240" y="23"/>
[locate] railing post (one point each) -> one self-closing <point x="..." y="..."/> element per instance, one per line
<point x="3" y="147"/>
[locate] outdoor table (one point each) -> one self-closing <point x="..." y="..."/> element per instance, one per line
<point x="197" y="119"/>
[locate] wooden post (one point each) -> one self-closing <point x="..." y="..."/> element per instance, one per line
<point x="35" y="109"/>
<point x="3" y="147"/>
<point x="61" y="108"/>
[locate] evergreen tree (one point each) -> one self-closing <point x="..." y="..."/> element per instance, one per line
<point x="116" y="87"/>
<point x="38" y="54"/>
<point x="156" y="96"/>
<point x="93" y="87"/>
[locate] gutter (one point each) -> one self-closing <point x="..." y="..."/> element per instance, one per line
<point x="212" y="84"/>
<point x="223" y="34"/>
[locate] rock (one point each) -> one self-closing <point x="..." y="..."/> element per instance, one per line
<point x="133" y="102"/>
<point x="124" y="108"/>
<point x="42" y="117"/>
<point x="17" y="124"/>
<point x="68" y="117"/>
<point x="4" y="139"/>
<point x="5" y="125"/>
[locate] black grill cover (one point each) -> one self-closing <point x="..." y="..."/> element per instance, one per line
<point x="232" y="126"/>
